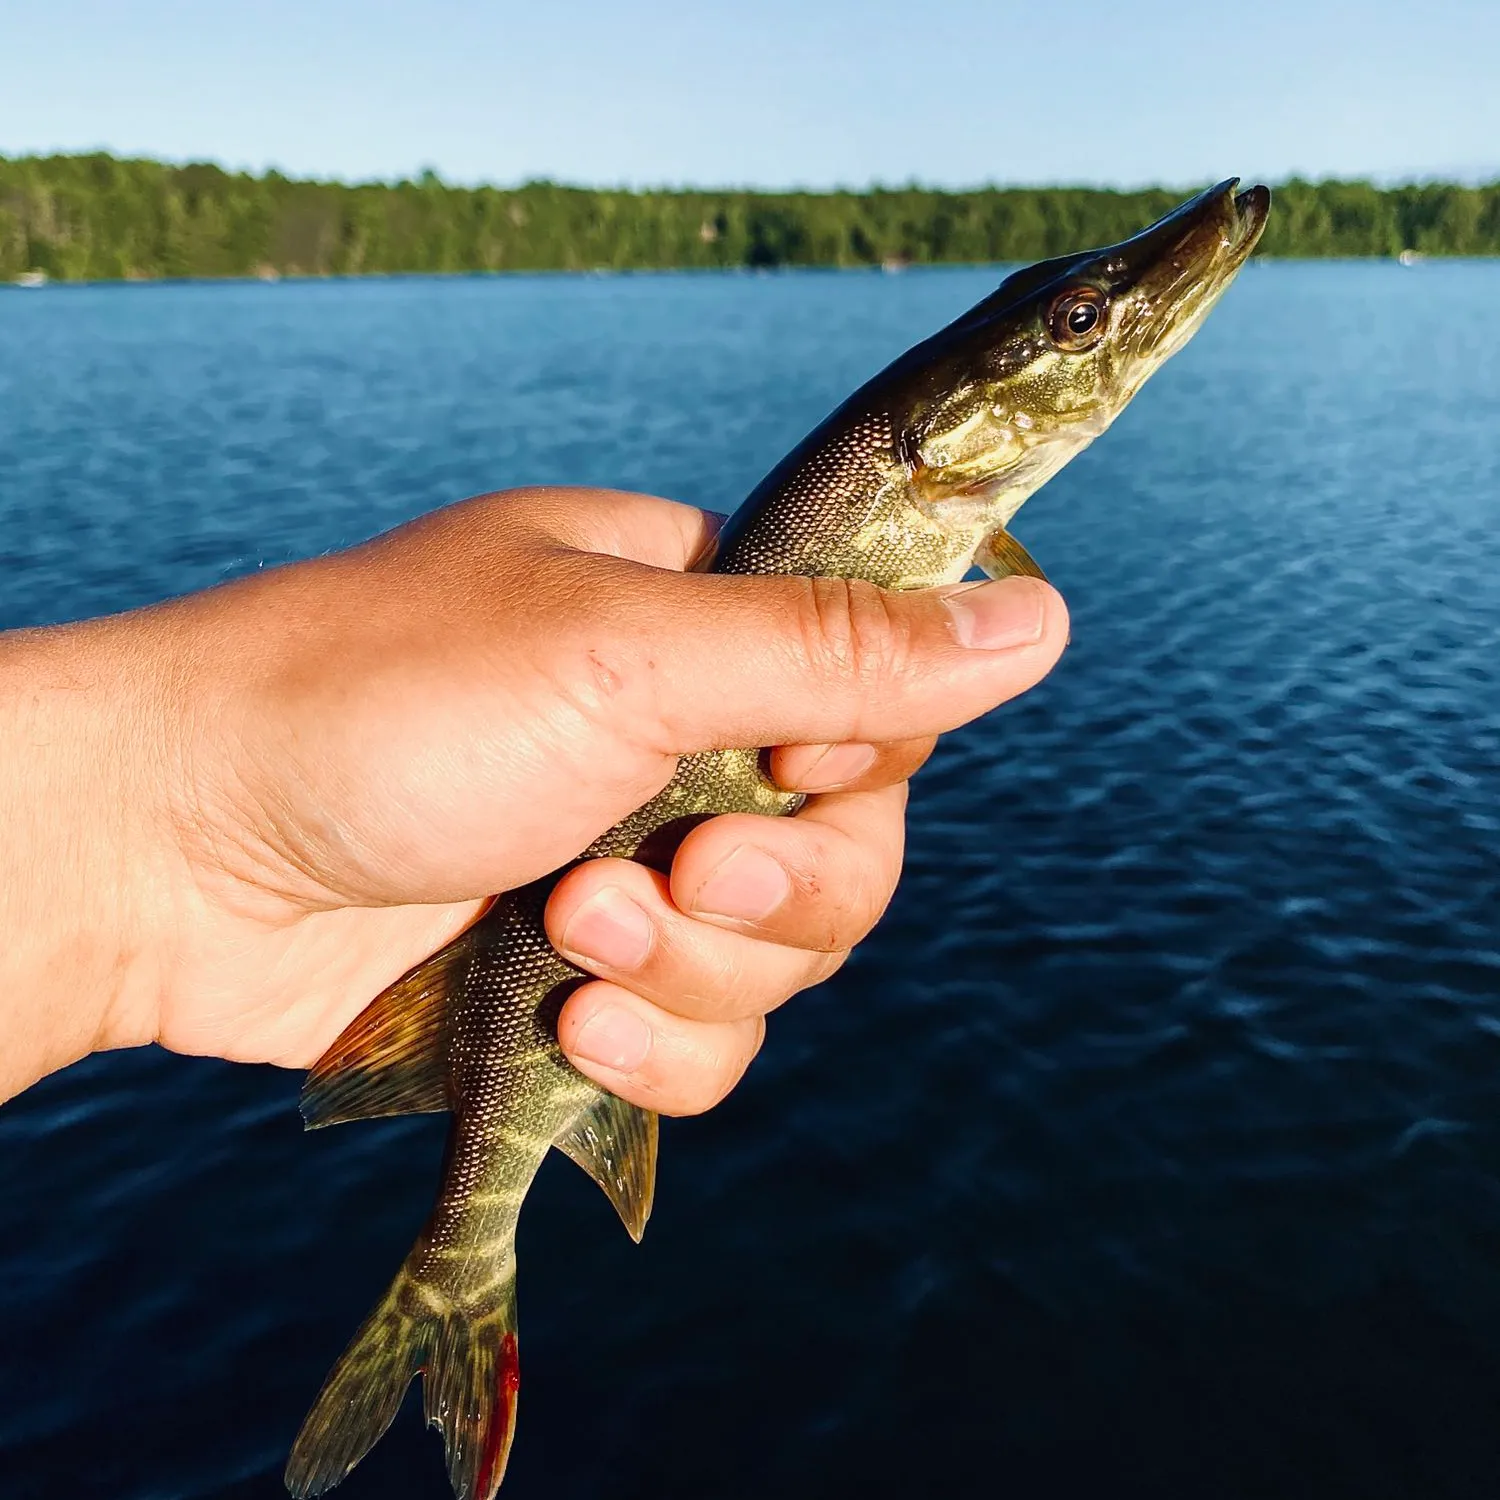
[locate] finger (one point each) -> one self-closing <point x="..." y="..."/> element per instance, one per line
<point x="848" y="768"/>
<point x="620" y="523"/>
<point x="616" y="919"/>
<point x="797" y="660"/>
<point x="820" y="880"/>
<point x="651" y="1057"/>
<point x="792" y="660"/>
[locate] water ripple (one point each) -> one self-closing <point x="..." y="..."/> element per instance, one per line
<point x="1150" y="1143"/>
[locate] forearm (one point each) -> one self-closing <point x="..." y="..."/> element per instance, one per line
<point x="76" y="969"/>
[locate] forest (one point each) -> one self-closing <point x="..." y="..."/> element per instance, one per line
<point x="100" y="218"/>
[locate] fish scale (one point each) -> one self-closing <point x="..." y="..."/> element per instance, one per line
<point x="909" y="483"/>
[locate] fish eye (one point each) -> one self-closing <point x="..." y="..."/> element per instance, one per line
<point x="1075" y="320"/>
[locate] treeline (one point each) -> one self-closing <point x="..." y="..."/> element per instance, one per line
<point x="100" y="218"/>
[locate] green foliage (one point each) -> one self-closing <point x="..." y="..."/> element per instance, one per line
<point x="99" y="218"/>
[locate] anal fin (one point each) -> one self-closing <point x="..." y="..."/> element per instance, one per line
<point x="615" y="1143"/>
<point x="390" y="1058"/>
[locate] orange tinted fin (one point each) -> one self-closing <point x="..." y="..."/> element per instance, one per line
<point x="390" y="1060"/>
<point x="615" y="1143"/>
<point x="469" y="1391"/>
<point x="470" y="1380"/>
<point x="1002" y="556"/>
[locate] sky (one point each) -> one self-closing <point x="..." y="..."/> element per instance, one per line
<point x="769" y="93"/>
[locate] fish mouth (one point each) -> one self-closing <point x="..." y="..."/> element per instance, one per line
<point x="1174" y="272"/>
<point x="1218" y="227"/>
<point x="1253" y="206"/>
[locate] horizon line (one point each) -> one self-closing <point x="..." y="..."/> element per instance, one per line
<point x="1381" y="182"/>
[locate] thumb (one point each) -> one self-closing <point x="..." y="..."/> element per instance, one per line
<point x="752" y="661"/>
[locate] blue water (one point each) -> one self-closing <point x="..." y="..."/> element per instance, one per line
<point x="1149" y="1148"/>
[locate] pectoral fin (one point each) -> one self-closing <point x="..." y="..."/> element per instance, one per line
<point x="1000" y="555"/>
<point x="615" y="1143"/>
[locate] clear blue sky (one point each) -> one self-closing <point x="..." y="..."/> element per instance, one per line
<point x="764" y="92"/>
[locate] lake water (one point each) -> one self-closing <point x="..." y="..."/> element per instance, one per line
<point x="1151" y="1147"/>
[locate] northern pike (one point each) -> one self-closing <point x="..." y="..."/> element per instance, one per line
<point x="910" y="483"/>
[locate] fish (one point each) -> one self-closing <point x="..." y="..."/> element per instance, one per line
<point x="913" y="481"/>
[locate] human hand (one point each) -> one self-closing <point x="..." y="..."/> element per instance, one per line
<point x="263" y="803"/>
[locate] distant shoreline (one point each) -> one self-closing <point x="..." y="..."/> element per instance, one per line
<point x="330" y="278"/>
<point x="99" y="218"/>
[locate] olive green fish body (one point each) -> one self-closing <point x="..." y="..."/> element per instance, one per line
<point x="909" y="483"/>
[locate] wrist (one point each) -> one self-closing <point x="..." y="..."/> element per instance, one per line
<point x="82" y="865"/>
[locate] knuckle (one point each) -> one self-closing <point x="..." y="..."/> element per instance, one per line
<point x="721" y="1069"/>
<point x="824" y="966"/>
<point x="592" y="664"/>
<point x="729" y="982"/>
<point x="594" y="672"/>
<point x="730" y="977"/>
<point x="865" y="899"/>
<point x="852" y="632"/>
<point x="845" y="900"/>
<point x="691" y="1091"/>
<point x="830" y="963"/>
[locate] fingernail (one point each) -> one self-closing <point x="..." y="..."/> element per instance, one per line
<point x="613" y="1038"/>
<point x="1000" y="615"/>
<point x="609" y="929"/>
<point x="833" y="765"/>
<point x="748" y="886"/>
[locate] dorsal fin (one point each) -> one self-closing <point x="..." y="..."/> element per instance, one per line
<point x="615" y="1143"/>
<point x="390" y="1059"/>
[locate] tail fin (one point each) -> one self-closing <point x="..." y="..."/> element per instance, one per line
<point x="467" y="1357"/>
